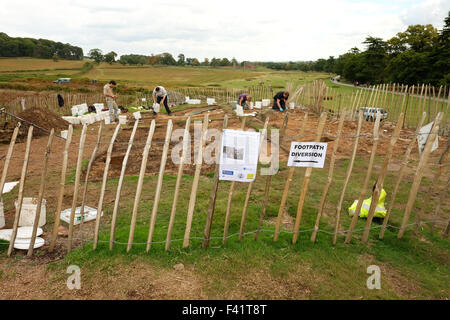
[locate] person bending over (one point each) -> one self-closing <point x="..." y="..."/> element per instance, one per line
<point x="160" y="96"/>
<point x="279" y="101"/>
<point x="243" y="100"/>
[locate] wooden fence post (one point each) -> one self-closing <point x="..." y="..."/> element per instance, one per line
<point x="287" y="184"/>
<point x="230" y="198"/>
<point x="88" y="171"/>
<point x="198" y="168"/>
<point x="102" y="190"/>
<point x="250" y="186"/>
<point x="21" y="186"/>
<point x="61" y="189"/>
<point x="8" y="159"/>
<point x="137" y="198"/>
<point x="419" y="173"/>
<point x="347" y="178"/>
<point x="330" y="175"/>
<point x="380" y="181"/>
<point x="213" y="194"/>
<point x="400" y="175"/>
<point x="355" y="217"/>
<point x="186" y="141"/>
<point x="77" y="183"/>
<point x="307" y="178"/>
<point x="159" y="183"/>
<point x="119" y="185"/>
<point x="41" y="194"/>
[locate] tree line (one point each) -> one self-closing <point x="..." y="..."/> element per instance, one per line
<point x="420" y="54"/>
<point x="160" y="59"/>
<point x="37" y="48"/>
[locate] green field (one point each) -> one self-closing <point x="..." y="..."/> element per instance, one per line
<point x="27" y="71"/>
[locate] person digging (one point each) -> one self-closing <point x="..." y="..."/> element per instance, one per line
<point x="279" y="101"/>
<point x="160" y="97"/>
<point x="111" y="100"/>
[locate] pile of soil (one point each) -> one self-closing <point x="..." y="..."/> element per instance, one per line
<point x="44" y="118"/>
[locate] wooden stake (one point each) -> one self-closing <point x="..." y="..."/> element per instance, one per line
<point x="287" y="184"/>
<point x="61" y="189"/>
<point x="102" y="190"/>
<point x="186" y="142"/>
<point x="198" y="168"/>
<point x="347" y="178"/>
<point x="400" y="175"/>
<point x="308" y="171"/>
<point x="330" y="175"/>
<point x="419" y="173"/>
<point x="355" y="217"/>
<point x="88" y="171"/>
<point x="213" y="194"/>
<point x="8" y="159"/>
<point x="41" y="194"/>
<point x="159" y="184"/>
<point x="137" y="198"/>
<point x="250" y="186"/>
<point x="380" y="181"/>
<point x="21" y="186"/>
<point x="77" y="184"/>
<point x="119" y="185"/>
<point x="230" y="197"/>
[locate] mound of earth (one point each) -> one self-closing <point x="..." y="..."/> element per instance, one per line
<point x="44" y="118"/>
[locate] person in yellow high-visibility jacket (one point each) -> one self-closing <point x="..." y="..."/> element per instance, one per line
<point x="380" y="210"/>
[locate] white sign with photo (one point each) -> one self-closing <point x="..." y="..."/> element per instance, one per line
<point x="307" y="154"/>
<point x="239" y="155"/>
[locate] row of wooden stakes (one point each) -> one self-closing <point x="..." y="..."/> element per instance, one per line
<point x="213" y="195"/>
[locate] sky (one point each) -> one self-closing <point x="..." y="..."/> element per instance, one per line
<point x="258" y="30"/>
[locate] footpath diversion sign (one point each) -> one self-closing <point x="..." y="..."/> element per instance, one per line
<point x="239" y="156"/>
<point x="307" y="154"/>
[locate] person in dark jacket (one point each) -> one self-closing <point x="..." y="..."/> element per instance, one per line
<point x="60" y="100"/>
<point x="279" y="101"/>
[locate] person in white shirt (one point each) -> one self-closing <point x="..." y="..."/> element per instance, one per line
<point x="160" y="96"/>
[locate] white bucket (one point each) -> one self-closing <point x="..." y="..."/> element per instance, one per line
<point x="137" y="115"/>
<point x="123" y="119"/>
<point x="28" y="212"/>
<point x="24" y="244"/>
<point x="156" y="107"/>
<point x="265" y="102"/>
<point x="98" y="107"/>
<point x="64" y="134"/>
<point x="2" y="216"/>
<point x="107" y="120"/>
<point x="258" y="104"/>
<point x="291" y="105"/>
<point x="239" y="110"/>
